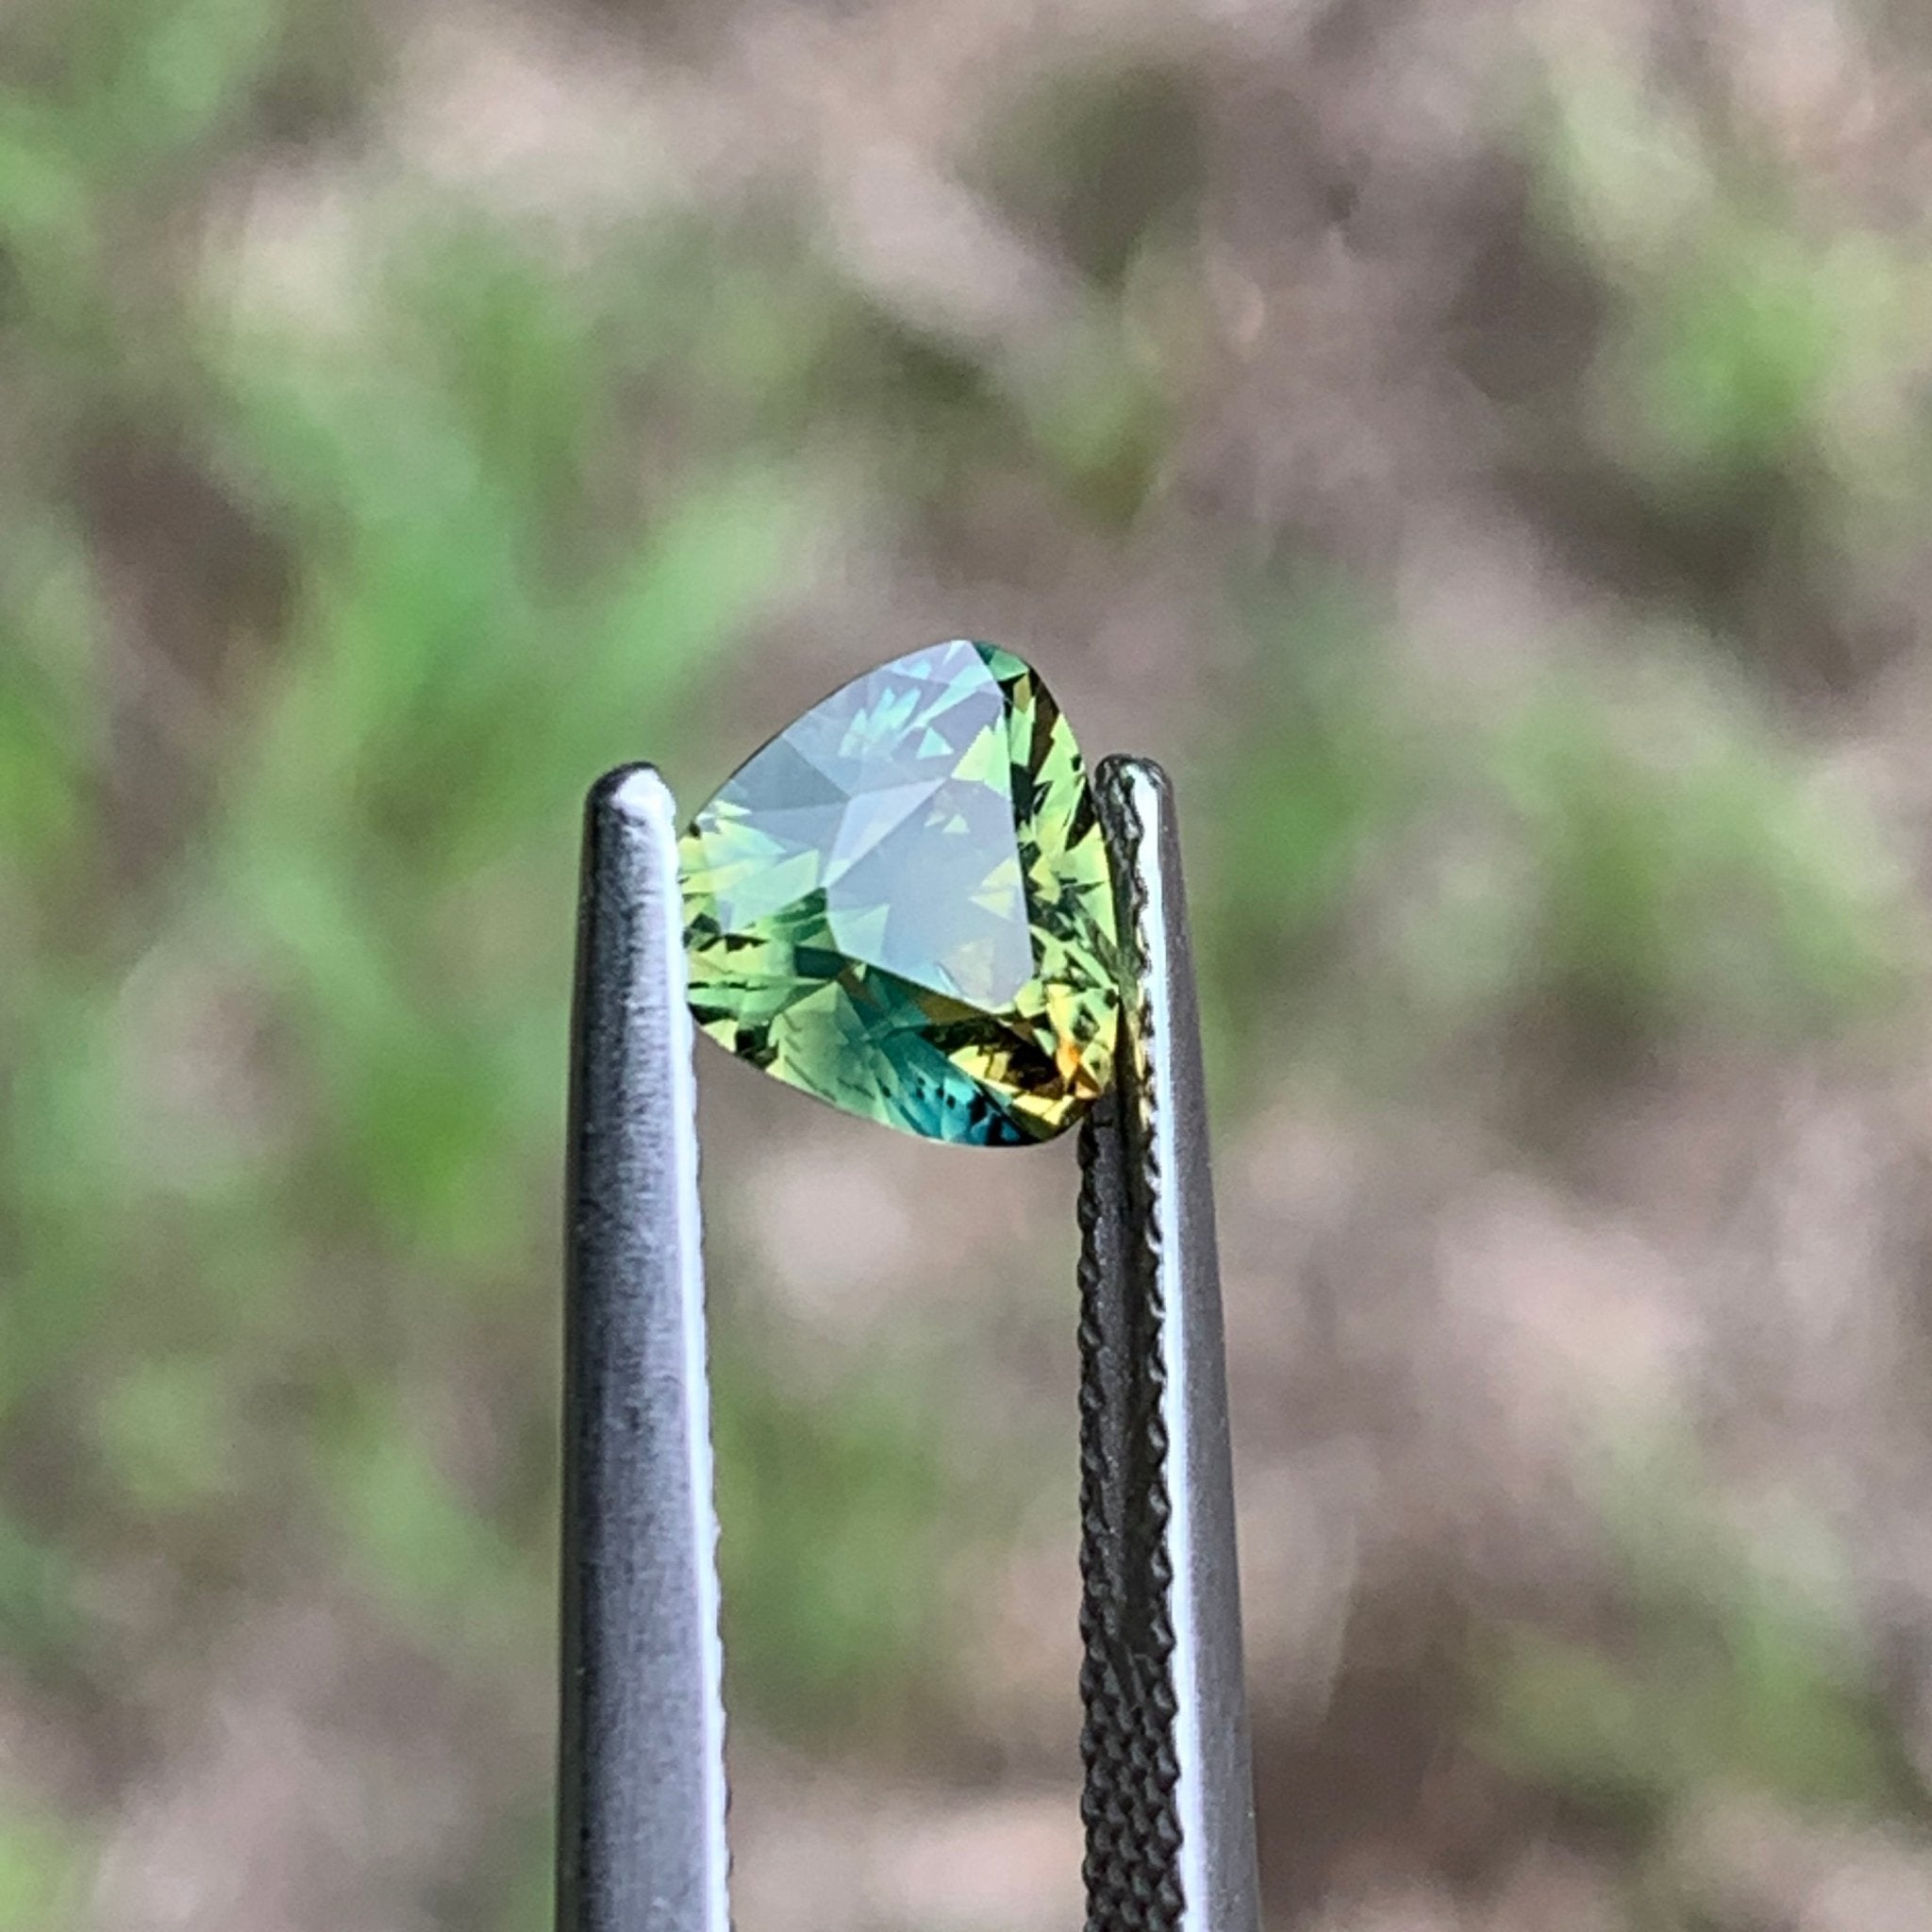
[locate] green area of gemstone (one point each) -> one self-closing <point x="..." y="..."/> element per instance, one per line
<point x="902" y="904"/>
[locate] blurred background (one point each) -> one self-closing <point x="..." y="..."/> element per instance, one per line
<point x="1484" y="448"/>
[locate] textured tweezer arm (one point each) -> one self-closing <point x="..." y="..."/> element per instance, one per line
<point x="1168" y="1804"/>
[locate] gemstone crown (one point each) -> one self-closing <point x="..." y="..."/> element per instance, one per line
<point x="903" y="904"/>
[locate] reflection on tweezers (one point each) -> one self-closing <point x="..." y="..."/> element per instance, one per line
<point x="642" y="1793"/>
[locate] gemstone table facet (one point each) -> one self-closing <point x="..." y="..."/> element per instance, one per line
<point x="902" y="904"/>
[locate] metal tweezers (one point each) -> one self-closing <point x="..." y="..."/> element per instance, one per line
<point x="1168" y="1797"/>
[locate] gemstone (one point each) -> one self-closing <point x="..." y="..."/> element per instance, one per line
<point x="903" y="904"/>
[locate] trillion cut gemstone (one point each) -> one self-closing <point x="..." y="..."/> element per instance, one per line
<point x="902" y="904"/>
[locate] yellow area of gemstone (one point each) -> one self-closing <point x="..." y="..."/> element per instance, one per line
<point x="903" y="904"/>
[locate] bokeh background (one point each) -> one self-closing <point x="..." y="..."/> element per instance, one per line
<point x="1484" y="449"/>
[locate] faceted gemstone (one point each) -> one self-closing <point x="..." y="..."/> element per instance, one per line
<point x="902" y="904"/>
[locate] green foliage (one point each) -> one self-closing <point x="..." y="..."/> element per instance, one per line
<point x="417" y="1542"/>
<point x="42" y="1873"/>
<point x="1748" y="343"/>
<point x="1101" y="161"/>
<point x="1635" y="851"/>
<point x="1723" y="1676"/>
<point x="838" y="1516"/>
<point x="528" y="1903"/>
<point x="1683" y="866"/>
<point x="48" y="623"/>
<point x="126" y="84"/>
<point x="1101" y="423"/>
<point x="39" y="1619"/>
<point x="1319" y="780"/>
<point x="164" y="1431"/>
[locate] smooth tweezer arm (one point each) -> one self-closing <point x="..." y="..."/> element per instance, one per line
<point x="641" y="1786"/>
<point x="642" y="1797"/>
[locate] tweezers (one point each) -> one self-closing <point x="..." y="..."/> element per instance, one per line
<point x="1167" y="1801"/>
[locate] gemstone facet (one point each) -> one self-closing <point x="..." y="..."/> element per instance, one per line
<point x="902" y="904"/>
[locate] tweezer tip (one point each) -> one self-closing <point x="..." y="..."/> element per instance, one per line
<point x="1130" y="768"/>
<point x="637" y="792"/>
<point x="1146" y="791"/>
